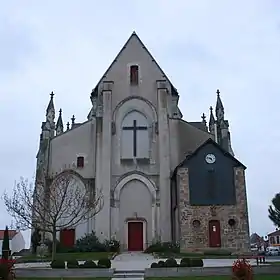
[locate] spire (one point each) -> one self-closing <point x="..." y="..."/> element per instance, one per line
<point x="219" y="107"/>
<point x="51" y="105"/>
<point x="73" y="121"/>
<point x="203" y="117"/>
<point x="211" y="119"/>
<point x="59" y="123"/>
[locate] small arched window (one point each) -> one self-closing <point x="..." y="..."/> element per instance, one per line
<point x="135" y="136"/>
<point x="80" y="162"/>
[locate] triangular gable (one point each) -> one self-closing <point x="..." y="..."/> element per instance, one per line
<point x="209" y="141"/>
<point x="173" y="89"/>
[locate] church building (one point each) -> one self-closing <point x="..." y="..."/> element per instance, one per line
<point x="163" y="178"/>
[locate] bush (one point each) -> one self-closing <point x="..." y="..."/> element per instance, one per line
<point x="4" y="271"/>
<point x="72" y="264"/>
<point x="90" y="243"/>
<point x="242" y="270"/>
<point x="165" y="247"/>
<point x="58" y="264"/>
<point x="196" y="262"/>
<point x="105" y="263"/>
<point x="171" y="263"/>
<point x="217" y="252"/>
<point x="155" y="265"/>
<point x="89" y="264"/>
<point x="185" y="262"/>
<point x="161" y="264"/>
<point x="112" y="245"/>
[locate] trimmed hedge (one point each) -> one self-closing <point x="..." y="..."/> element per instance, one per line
<point x="185" y="262"/>
<point x="102" y="263"/>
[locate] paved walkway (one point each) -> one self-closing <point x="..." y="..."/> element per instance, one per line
<point x="139" y="261"/>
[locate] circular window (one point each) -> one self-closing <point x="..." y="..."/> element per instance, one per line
<point x="231" y="222"/>
<point x="196" y="223"/>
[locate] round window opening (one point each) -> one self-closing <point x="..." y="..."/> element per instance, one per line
<point x="231" y="222"/>
<point x="196" y="223"/>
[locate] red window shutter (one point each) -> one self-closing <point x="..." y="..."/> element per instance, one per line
<point x="134" y="74"/>
<point x="80" y="162"/>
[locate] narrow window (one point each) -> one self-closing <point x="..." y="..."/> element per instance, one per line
<point x="277" y="239"/>
<point x="134" y="75"/>
<point x="80" y="162"/>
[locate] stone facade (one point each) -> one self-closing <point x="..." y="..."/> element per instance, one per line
<point x="194" y="220"/>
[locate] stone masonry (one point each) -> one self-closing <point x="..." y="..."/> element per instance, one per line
<point x="194" y="220"/>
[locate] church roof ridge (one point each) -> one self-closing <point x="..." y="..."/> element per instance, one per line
<point x="174" y="90"/>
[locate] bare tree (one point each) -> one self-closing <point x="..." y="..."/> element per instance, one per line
<point x="66" y="203"/>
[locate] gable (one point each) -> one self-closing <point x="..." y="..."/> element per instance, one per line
<point x="210" y="146"/>
<point x="134" y="51"/>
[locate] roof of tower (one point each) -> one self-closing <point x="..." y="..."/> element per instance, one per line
<point x="59" y="122"/>
<point x="164" y="76"/>
<point x="51" y="105"/>
<point x="211" y="119"/>
<point x="219" y="104"/>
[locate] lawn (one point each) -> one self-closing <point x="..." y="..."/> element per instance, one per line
<point x="105" y="278"/>
<point x="67" y="256"/>
<point x="256" y="277"/>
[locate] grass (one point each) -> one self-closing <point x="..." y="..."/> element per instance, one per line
<point x="67" y="256"/>
<point x="256" y="277"/>
<point x="99" y="278"/>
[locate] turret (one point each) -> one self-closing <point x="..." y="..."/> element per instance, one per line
<point x="212" y="124"/>
<point x="221" y="125"/>
<point x="48" y="127"/>
<point x="59" y="124"/>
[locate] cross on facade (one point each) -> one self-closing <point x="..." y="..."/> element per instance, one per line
<point x="134" y="129"/>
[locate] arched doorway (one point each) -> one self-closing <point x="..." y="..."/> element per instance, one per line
<point x="214" y="233"/>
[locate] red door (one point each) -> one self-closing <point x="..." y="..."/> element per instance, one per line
<point x="214" y="234"/>
<point x="67" y="237"/>
<point x="135" y="236"/>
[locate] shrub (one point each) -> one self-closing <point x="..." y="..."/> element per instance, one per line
<point x="90" y="243"/>
<point x="154" y="265"/>
<point x="171" y="263"/>
<point x="161" y="264"/>
<point x="217" y="252"/>
<point x="185" y="262"/>
<point x="242" y="270"/>
<point x="58" y="264"/>
<point x="112" y="245"/>
<point x="196" y="262"/>
<point x="4" y="271"/>
<point x="106" y="263"/>
<point x="72" y="264"/>
<point x="89" y="264"/>
<point x="165" y="247"/>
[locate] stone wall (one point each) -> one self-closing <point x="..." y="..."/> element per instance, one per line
<point x="195" y="236"/>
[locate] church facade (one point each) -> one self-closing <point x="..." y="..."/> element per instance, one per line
<point x="162" y="178"/>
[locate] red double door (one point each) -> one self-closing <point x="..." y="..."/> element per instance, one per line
<point x="135" y="236"/>
<point x="214" y="233"/>
<point x="67" y="237"/>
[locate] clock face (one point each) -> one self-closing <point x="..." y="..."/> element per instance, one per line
<point x="210" y="158"/>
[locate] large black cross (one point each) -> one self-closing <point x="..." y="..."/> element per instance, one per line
<point x="134" y="128"/>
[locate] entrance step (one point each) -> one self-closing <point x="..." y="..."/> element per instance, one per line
<point x="135" y="274"/>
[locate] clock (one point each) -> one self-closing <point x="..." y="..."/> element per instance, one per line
<point x="210" y="158"/>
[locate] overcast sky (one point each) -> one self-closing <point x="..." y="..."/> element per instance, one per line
<point x="66" y="46"/>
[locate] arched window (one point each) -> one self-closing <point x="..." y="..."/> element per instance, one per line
<point x="135" y="136"/>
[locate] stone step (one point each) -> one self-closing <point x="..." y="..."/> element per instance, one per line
<point x="135" y="274"/>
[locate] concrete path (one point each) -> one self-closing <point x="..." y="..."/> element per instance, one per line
<point x="139" y="261"/>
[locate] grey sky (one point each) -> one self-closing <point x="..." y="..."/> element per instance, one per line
<point x="66" y="46"/>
